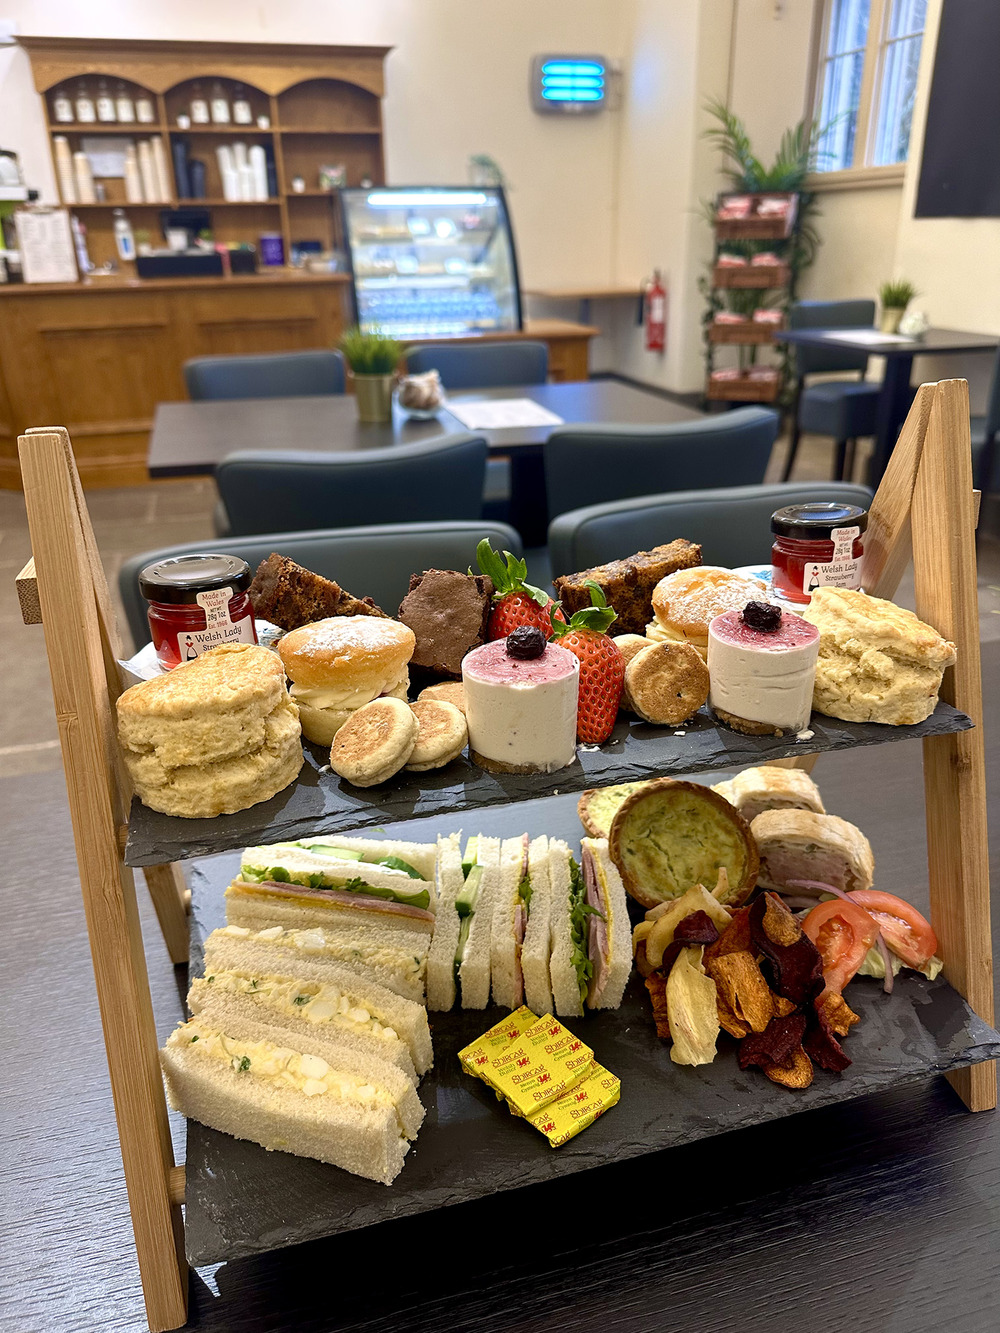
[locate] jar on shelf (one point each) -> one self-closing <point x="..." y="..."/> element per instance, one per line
<point x="62" y="107"/>
<point x="242" y="110"/>
<point x="85" y="113"/>
<point x="197" y="602"/>
<point x="220" y="105"/>
<point x="124" y="105"/>
<point x="818" y="545"/>
<point x="199" y="106"/>
<point x="107" y="113"/>
<point x="145" y="111"/>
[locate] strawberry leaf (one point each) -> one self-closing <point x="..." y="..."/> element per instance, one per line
<point x="507" y="575"/>
<point x="597" y="617"/>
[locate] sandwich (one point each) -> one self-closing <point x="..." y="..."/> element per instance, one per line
<point x="590" y="933"/>
<point x="401" y="872"/>
<point x="460" y="951"/>
<point x="520" y="940"/>
<point x="822" y="849"/>
<point x="340" y="664"/>
<point x="254" y="977"/>
<point x="770" y="788"/>
<point x="305" y="1094"/>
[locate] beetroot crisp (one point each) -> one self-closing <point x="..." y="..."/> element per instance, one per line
<point x="696" y="928"/>
<point x="775" y="1044"/>
<point x="794" y="970"/>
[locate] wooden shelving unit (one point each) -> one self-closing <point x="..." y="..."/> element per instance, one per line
<point x="322" y="106"/>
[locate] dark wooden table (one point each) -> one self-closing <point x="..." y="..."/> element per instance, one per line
<point x="895" y="397"/>
<point x="879" y="1214"/>
<point x="190" y="439"/>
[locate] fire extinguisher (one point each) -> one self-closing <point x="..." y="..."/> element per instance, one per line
<point x="656" y="314"/>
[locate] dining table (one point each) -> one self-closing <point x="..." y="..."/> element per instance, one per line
<point x="899" y="351"/>
<point x="191" y="439"/>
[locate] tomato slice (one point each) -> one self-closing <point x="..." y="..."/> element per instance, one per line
<point x="907" y="933"/>
<point x="843" y="933"/>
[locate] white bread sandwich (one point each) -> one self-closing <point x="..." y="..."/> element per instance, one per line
<point x="298" y="1095"/>
<point x="463" y="927"/>
<point x="770" y="788"/>
<point x="254" y="977"/>
<point x="395" y="959"/>
<point x="520" y="945"/>
<point x="296" y="907"/>
<point x="400" y="872"/>
<point x="801" y="845"/>
<point x="339" y="664"/>
<point x="442" y="969"/>
<point x="590" y="930"/>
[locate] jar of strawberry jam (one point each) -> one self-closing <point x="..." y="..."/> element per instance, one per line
<point x="816" y="546"/>
<point x="197" y="602"/>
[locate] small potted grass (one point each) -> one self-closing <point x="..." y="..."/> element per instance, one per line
<point x="894" y="297"/>
<point x="373" y="359"/>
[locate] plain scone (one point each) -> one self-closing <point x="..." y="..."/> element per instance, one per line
<point x="877" y="661"/>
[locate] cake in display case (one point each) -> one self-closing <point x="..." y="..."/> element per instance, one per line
<point x="432" y="262"/>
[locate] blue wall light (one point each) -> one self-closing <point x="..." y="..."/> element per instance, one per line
<point x="572" y="85"/>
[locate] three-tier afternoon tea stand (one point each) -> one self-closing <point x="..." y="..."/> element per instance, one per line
<point x="925" y="504"/>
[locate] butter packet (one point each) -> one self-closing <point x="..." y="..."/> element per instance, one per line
<point x="564" y="1118"/>
<point x="543" y="1063"/>
<point x="475" y="1058"/>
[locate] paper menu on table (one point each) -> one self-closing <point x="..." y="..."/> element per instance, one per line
<point x="502" y="413"/>
<point x="46" y="244"/>
<point x="870" y="337"/>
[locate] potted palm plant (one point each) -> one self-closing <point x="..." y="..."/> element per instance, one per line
<point x="373" y="359"/>
<point x="894" y="297"/>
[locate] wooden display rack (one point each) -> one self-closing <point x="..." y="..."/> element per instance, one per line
<point x="925" y="502"/>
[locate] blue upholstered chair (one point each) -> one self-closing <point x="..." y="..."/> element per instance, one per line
<point x="485" y="366"/>
<point x="986" y="434"/>
<point x="291" y="490"/>
<point x="732" y="526"/>
<point x="845" y="409"/>
<point x="588" y="464"/>
<point x="369" y="562"/>
<point x="276" y="375"/>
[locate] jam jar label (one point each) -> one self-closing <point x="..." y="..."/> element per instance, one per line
<point x="843" y="571"/>
<point x="219" y="628"/>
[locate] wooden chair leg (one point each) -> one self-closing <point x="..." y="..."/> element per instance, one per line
<point x="793" y="449"/>
<point x="171" y="899"/>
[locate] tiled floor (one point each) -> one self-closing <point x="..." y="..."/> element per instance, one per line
<point x="135" y="519"/>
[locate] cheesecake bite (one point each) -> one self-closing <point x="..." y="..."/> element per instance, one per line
<point x="761" y="667"/>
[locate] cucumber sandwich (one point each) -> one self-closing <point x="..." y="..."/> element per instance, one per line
<point x="401" y="872"/>
<point x="460" y="951"/>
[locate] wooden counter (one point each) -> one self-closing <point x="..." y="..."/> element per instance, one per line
<point x="97" y="356"/>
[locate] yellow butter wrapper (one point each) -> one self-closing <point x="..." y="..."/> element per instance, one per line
<point x="564" y="1118"/>
<point x="539" y="1066"/>
<point x="475" y="1058"/>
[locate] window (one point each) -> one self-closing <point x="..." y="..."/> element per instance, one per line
<point x="867" y="79"/>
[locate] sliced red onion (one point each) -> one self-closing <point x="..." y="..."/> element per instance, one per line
<point x="880" y="943"/>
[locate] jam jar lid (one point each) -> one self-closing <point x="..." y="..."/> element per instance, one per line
<point x="181" y="578"/>
<point x="818" y="520"/>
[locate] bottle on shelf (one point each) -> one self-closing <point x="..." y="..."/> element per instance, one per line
<point x="124" y="240"/>
<point x="199" y="106"/>
<point x="106" y="112"/>
<point x="124" y="105"/>
<point x="242" y="110"/>
<point x="85" y="112"/>
<point x="220" y="105"/>
<point x="62" y="107"/>
<point x="145" y="111"/>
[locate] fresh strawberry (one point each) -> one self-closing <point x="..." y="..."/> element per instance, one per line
<point x="516" y="603"/>
<point x="602" y="667"/>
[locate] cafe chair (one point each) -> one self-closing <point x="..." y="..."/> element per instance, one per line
<point x="986" y="434"/>
<point x="588" y="464"/>
<point x="845" y="409"/>
<point x="485" y="366"/>
<point x="286" y="490"/>
<point x="276" y="375"/>
<point x="732" y="526"/>
<point x="371" y="562"/>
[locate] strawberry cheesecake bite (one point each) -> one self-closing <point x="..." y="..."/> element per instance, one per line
<point x="761" y="667"/>
<point x="520" y="704"/>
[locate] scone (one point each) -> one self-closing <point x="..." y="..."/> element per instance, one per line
<point x="877" y="661"/>
<point x="801" y="845"/>
<point x="770" y="788"/>
<point x="685" y="603"/>
<point x="213" y="736"/>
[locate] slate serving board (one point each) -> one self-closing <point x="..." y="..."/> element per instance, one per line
<point x="319" y="802"/>
<point x="242" y="1200"/>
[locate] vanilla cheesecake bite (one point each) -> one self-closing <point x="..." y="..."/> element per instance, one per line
<point x="761" y="667"/>
<point x="520" y="704"/>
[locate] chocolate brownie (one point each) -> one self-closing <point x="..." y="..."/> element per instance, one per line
<point x="628" y="584"/>
<point x="448" y="612"/>
<point x="289" y="596"/>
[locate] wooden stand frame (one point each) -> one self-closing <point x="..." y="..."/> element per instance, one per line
<point x="925" y="501"/>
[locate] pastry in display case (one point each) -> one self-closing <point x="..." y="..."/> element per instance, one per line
<point x="431" y="262"/>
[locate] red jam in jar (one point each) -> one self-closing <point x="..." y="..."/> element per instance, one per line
<point x="197" y="602"/>
<point x="816" y="546"/>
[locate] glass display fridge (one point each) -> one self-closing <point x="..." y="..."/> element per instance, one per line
<point x="431" y="261"/>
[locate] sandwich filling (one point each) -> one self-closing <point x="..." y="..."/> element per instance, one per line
<point x="349" y="948"/>
<point x="307" y="1000"/>
<point x="280" y="1066"/>
<point x="324" y="865"/>
<point x="585" y="903"/>
<point x="465" y="902"/>
<point x="347" y="700"/>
